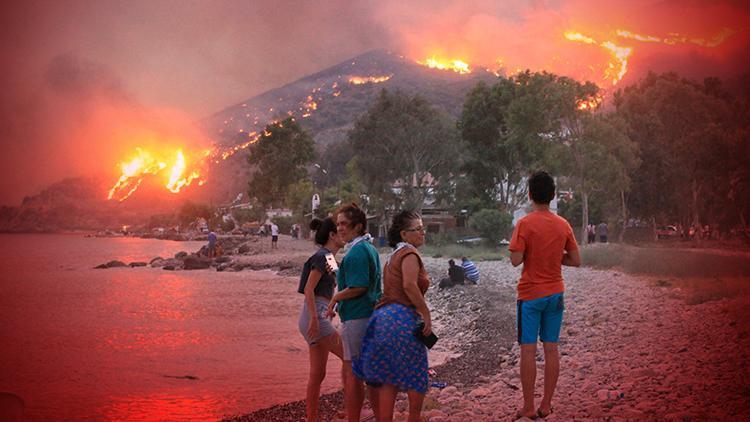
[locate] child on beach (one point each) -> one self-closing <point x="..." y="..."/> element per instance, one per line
<point x="542" y="241"/>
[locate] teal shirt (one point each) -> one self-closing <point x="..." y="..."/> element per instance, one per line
<point x="360" y="268"/>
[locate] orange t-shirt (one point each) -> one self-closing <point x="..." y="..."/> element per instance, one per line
<point x="542" y="236"/>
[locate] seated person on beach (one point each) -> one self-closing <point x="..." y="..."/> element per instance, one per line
<point x="455" y="275"/>
<point x="542" y="241"/>
<point x="470" y="270"/>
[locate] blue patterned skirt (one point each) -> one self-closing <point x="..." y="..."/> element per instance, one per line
<point x="391" y="353"/>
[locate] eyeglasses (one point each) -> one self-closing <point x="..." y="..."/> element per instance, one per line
<point x="416" y="229"/>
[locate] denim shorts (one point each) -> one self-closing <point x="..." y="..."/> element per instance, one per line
<point x="540" y="319"/>
<point x="352" y="333"/>
<point x="324" y="324"/>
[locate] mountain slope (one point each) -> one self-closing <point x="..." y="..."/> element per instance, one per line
<point x="326" y="104"/>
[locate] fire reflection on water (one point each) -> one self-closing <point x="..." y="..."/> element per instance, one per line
<point x="143" y="343"/>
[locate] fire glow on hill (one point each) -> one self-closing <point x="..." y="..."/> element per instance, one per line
<point x="608" y="56"/>
<point x="178" y="169"/>
<point x="619" y="47"/>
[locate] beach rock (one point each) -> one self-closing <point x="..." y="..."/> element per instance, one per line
<point x="449" y="391"/>
<point x="222" y="259"/>
<point x="244" y="248"/>
<point x="157" y="262"/>
<point x="604" y="395"/>
<point x="169" y="267"/>
<point x="111" y="264"/>
<point x="196" y="262"/>
<point x="181" y="255"/>
<point x="137" y="264"/>
<point x="101" y="267"/>
<point x="435" y="413"/>
<point x="480" y="392"/>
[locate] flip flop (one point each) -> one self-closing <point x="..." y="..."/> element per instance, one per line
<point x="520" y="415"/>
<point x="543" y="415"/>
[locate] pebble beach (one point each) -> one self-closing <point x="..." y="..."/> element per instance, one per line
<point x="632" y="348"/>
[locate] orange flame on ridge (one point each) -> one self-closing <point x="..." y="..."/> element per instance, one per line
<point x="617" y="66"/>
<point x="456" y="65"/>
<point x="361" y="80"/>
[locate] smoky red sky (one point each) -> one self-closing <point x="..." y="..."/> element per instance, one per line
<point x="84" y="82"/>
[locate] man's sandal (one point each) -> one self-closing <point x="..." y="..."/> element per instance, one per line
<point x="543" y="415"/>
<point x="519" y="415"/>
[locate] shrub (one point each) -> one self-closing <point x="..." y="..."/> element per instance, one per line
<point x="491" y="224"/>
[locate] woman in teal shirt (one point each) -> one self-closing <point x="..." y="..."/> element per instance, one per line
<point x="359" y="289"/>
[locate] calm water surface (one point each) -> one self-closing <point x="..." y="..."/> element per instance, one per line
<point x="79" y="343"/>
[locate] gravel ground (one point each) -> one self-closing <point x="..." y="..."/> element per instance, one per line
<point x="632" y="348"/>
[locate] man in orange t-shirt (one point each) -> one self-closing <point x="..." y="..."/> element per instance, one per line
<point x="543" y="242"/>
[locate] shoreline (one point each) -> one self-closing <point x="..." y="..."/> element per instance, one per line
<point x="632" y="346"/>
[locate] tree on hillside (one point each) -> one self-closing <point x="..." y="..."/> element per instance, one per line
<point x="403" y="140"/>
<point x="596" y="152"/>
<point x="685" y="132"/>
<point x="504" y="127"/>
<point x="349" y="189"/>
<point x="332" y="164"/>
<point x="282" y="155"/>
<point x="299" y="200"/>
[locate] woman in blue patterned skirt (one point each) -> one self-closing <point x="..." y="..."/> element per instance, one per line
<point x="392" y="357"/>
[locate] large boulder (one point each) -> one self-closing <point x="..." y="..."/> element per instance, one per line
<point x="137" y="264"/>
<point x="181" y="255"/>
<point x="244" y="248"/>
<point x="196" y="262"/>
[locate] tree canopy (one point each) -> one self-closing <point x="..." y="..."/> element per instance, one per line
<point x="403" y="142"/>
<point x="282" y="155"/>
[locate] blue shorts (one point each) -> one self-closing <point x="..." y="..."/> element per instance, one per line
<point x="540" y="318"/>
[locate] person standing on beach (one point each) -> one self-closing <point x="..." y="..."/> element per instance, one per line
<point x="274" y="236"/>
<point x="542" y="241"/>
<point x="601" y="230"/>
<point x="392" y="356"/>
<point x="359" y="290"/>
<point x="317" y="284"/>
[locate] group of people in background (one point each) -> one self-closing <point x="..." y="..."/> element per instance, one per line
<point x="385" y="318"/>
<point x="462" y="274"/>
<point x="379" y="313"/>
<point x="593" y="231"/>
